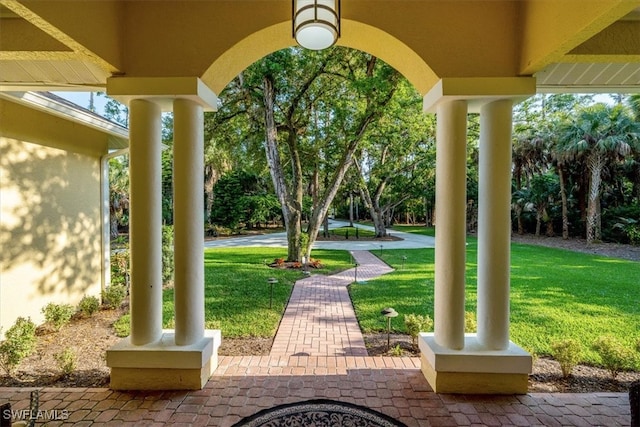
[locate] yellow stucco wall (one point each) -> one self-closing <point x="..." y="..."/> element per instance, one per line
<point x="50" y="231"/>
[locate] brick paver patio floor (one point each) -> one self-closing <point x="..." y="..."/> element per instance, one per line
<point x="318" y="353"/>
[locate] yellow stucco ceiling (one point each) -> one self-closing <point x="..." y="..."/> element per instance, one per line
<point x="69" y="43"/>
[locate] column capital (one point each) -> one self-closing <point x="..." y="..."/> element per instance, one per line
<point x="162" y="90"/>
<point x="478" y="91"/>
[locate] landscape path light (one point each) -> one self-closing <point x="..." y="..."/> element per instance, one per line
<point x="272" y="281"/>
<point x="389" y="313"/>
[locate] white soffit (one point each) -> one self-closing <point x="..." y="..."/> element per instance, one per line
<point x="51" y="73"/>
<point x="56" y="106"/>
<point x="590" y="78"/>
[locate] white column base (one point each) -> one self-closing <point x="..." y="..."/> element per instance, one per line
<point x="474" y="370"/>
<point x="162" y="365"/>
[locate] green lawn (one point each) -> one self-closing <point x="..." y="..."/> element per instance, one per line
<point x="555" y="294"/>
<point x="237" y="292"/>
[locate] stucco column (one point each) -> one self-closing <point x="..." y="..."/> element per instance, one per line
<point x="188" y="199"/>
<point x="494" y="224"/>
<point x="451" y="208"/>
<point x="145" y="221"/>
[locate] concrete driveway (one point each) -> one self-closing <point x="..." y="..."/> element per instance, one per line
<point x="278" y="240"/>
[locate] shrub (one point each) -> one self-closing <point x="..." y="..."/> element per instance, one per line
<point x="315" y="263"/>
<point x="470" y="324"/>
<point x="113" y="296"/>
<point x="89" y="305"/>
<point x="120" y="267"/>
<point x="122" y="326"/>
<point x="20" y="342"/>
<point x="396" y="351"/>
<point x="167" y="254"/>
<point x="631" y="229"/>
<point x="66" y="361"/>
<point x="171" y="323"/>
<point x="615" y="356"/>
<point x="620" y="224"/>
<point x="568" y="353"/>
<point x="58" y="315"/>
<point x="215" y="230"/>
<point x="638" y="346"/>
<point x="415" y="323"/>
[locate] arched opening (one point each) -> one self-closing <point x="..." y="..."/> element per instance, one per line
<point x="355" y="35"/>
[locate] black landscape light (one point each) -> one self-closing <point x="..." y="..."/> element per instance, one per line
<point x="389" y="313"/>
<point x="271" y="281"/>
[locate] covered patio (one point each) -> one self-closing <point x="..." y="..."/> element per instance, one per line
<point x="242" y="386"/>
<point x="462" y="56"/>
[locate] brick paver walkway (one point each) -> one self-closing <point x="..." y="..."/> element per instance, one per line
<point x="319" y="319"/>
<point x="242" y="386"/>
<point x="333" y="369"/>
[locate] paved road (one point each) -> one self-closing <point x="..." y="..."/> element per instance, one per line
<point x="409" y="241"/>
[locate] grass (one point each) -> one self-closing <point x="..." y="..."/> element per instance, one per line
<point x="555" y="294"/>
<point x="237" y="293"/>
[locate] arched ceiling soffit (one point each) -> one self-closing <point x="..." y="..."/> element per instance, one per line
<point x="355" y="35"/>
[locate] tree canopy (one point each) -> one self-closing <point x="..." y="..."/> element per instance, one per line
<point x="301" y="131"/>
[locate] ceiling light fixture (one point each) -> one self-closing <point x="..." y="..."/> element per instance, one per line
<point x="316" y="23"/>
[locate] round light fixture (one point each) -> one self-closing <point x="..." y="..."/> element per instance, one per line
<point x="316" y="23"/>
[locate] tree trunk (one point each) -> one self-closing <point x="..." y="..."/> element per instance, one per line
<point x="294" y="248"/>
<point x="538" y="222"/>
<point x="113" y="227"/>
<point x="378" y="221"/>
<point x="428" y="222"/>
<point x="325" y="224"/>
<point x="549" y="223"/>
<point x="357" y="213"/>
<point x="519" y="219"/>
<point x="377" y="215"/>
<point x="210" y="179"/>
<point x="291" y="210"/>
<point x="563" y="196"/>
<point x="599" y="219"/>
<point x="595" y="165"/>
<point x="350" y="209"/>
<point x="271" y="149"/>
<point x="635" y="191"/>
<point x="582" y="197"/>
<point x="321" y="210"/>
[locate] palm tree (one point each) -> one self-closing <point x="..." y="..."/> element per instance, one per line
<point x="602" y="134"/>
<point x="118" y="193"/>
<point x="520" y="204"/>
<point x="530" y="156"/>
<point x="634" y="104"/>
<point x="543" y="189"/>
